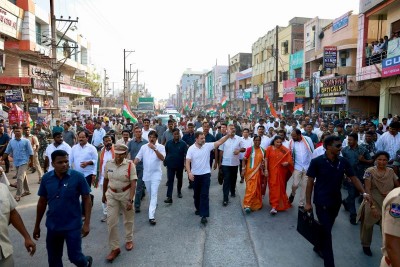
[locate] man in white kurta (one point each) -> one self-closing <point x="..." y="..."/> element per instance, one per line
<point x="152" y="155"/>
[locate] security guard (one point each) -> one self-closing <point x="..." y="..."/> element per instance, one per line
<point x="119" y="193"/>
<point x="391" y="229"/>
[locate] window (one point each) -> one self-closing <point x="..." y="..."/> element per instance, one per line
<point x="285" y="75"/>
<point x="343" y="62"/>
<point x="38" y="28"/>
<point x="297" y="73"/>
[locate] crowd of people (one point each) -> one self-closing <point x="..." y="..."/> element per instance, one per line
<point x="318" y="155"/>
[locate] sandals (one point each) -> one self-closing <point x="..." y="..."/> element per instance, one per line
<point x="25" y="194"/>
<point x="17" y="198"/>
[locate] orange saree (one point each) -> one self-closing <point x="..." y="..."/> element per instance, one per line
<point x="278" y="175"/>
<point x="253" y="177"/>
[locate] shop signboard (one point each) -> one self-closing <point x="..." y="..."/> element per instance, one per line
<point x="9" y="23"/>
<point x="239" y="94"/>
<point x="69" y="89"/>
<point x="247" y="95"/>
<point x="40" y="84"/>
<point x="93" y="100"/>
<point x="330" y="57"/>
<point x="63" y="101"/>
<point x="14" y="95"/>
<point x="306" y="86"/>
<point x="391" y="66"/>
<point x="33" y="110"/>
<point x="269" y="90"/>
<point x="366" y="5"/>
<point x="340" y="23"/>
<point x="333" y="85"/>
<point x="300" y="95"/>
<point x="289" y="90"/>
<point x="333" y="101"/>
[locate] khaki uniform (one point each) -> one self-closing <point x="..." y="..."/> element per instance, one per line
<point x="35" y="144"/>
<point x="390" y="220"/>
<point x="117" y="180"/>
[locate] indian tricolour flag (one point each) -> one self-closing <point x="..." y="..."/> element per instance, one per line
<point x="127" y="113"/>
<point x="298" y="109"/>
<point x="224" y="101"/>
<point x="211" y="110"/>
<point x="29" y="120"/>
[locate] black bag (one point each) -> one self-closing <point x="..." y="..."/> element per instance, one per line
<point x="220" y="176"/>
<point x="308" y="227"/>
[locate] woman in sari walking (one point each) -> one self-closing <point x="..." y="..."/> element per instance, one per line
<point x="252" y="171"/>
<point x="278" y="169"/>
<point x="379" y="180"/>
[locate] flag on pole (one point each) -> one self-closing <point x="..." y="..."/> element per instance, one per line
<point x="224" y="101"/>
<point x="298" y="109"/>
<point x="282" y="111"/>
<point x="211" y="110"/>
<point x="127" y="113"/>
<point x="191" y="105"/>
<point x="248" y="113"/>
<point x="29" y="120"/>
<point x="271" y="107"/>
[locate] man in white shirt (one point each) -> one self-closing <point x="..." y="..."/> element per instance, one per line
<point x="265" y="140"/>
<point x="390" y="141"/>
<point x="261" y="122"/>
<point x="229" y="162"/>
<point x="199" y="170"/>
<point x="247" y="141"/>
<point x="125" y="138"/>
<point x="302" y="149"/>
<point x="98" y="134"/>
<point x="83" y="158"/>
<point x="146" y="129"/>
<point x="58" y="144"/>
<point x="152" y="155"/>
<point x="106" y="154"/>
<point x="282" y="134"/>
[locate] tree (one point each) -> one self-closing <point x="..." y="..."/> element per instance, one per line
<point x="93" y="81"/>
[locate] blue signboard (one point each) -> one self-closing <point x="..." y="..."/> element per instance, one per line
<point x="340" y="23"/>
<point x="14" y="96"/>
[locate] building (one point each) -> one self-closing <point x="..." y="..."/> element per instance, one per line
<point x="378" y="19"/>
<point x="27" y="62"/>
<point x="237" y="64"/>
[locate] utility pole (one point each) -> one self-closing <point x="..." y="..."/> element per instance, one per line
<point x="54" y="57"/>
<point x="125" y="83"/>
<point x="276" y="92"/>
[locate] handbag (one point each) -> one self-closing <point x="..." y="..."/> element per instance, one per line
<point x="220" y="176"/>
<point x="308" y="227"/>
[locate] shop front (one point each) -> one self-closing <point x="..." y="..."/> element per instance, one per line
<point x="332" y="98"/>
<point x="289" y="94"/>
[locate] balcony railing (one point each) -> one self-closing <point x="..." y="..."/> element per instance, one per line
<point x="375" y="59"/>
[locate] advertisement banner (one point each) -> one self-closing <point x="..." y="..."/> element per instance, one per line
<point x="9" y="23"/>
<point x="306" y="86"/>
<point x="93" y="100"/>
<point x="268" y="89"/>
<point x="33" y="110"/>
<point x="393" y="48"/>
<point x="391" y="66"/>
<point x="14" y="96"/>
<point x="69" y="89"/>
<point x="330" y="57"/>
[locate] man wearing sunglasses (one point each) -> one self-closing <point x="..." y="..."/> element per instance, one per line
<point x="325" y="175"/>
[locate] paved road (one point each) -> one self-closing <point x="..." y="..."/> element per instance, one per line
<point x="231" y="238"/>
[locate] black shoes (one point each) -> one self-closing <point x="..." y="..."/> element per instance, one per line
<point x="242" y="181"/>
<point x="190" y="186"/>
<point x="233" y="195"/>
<point x="367" y="251"/>
<point x="137" y="210"/>
<point x="203" y="220"/>
<point x="225" y="203"/>
<point x="168" y="200"/>
<point x="353" y="220"/>
<point x="291" y="198"/>
<point x="179" y="195"/>
<point x="152" y="221"/>
<point x="346" y="208"/>
<point x="197" y="212"/>
<point x="90" y="261"/>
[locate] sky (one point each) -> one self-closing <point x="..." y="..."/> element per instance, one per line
<point x="170" y="36"/>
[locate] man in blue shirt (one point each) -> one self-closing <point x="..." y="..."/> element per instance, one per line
<point x="175" y="160"/>
<point x="133" y="149"/>
<point x="308" y="132"/>
<point x="60" y="189"/>
<point x="189" y="139"/>
<point x="22" y="152"/>
<point x="325" y="175"/>
<point x="98" y="134"/>
<point x="57" y="128"/>
<point x="4" y="139"/>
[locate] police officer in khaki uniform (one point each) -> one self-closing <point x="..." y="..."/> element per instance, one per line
<point x="391" y="229"/>
<point x="119" y="193"/>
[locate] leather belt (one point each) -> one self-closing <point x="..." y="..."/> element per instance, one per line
<point x="120" y="190"/>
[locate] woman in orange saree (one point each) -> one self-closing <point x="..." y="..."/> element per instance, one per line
<point x="252" y="171"/>
<point x="278" y="168"/>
